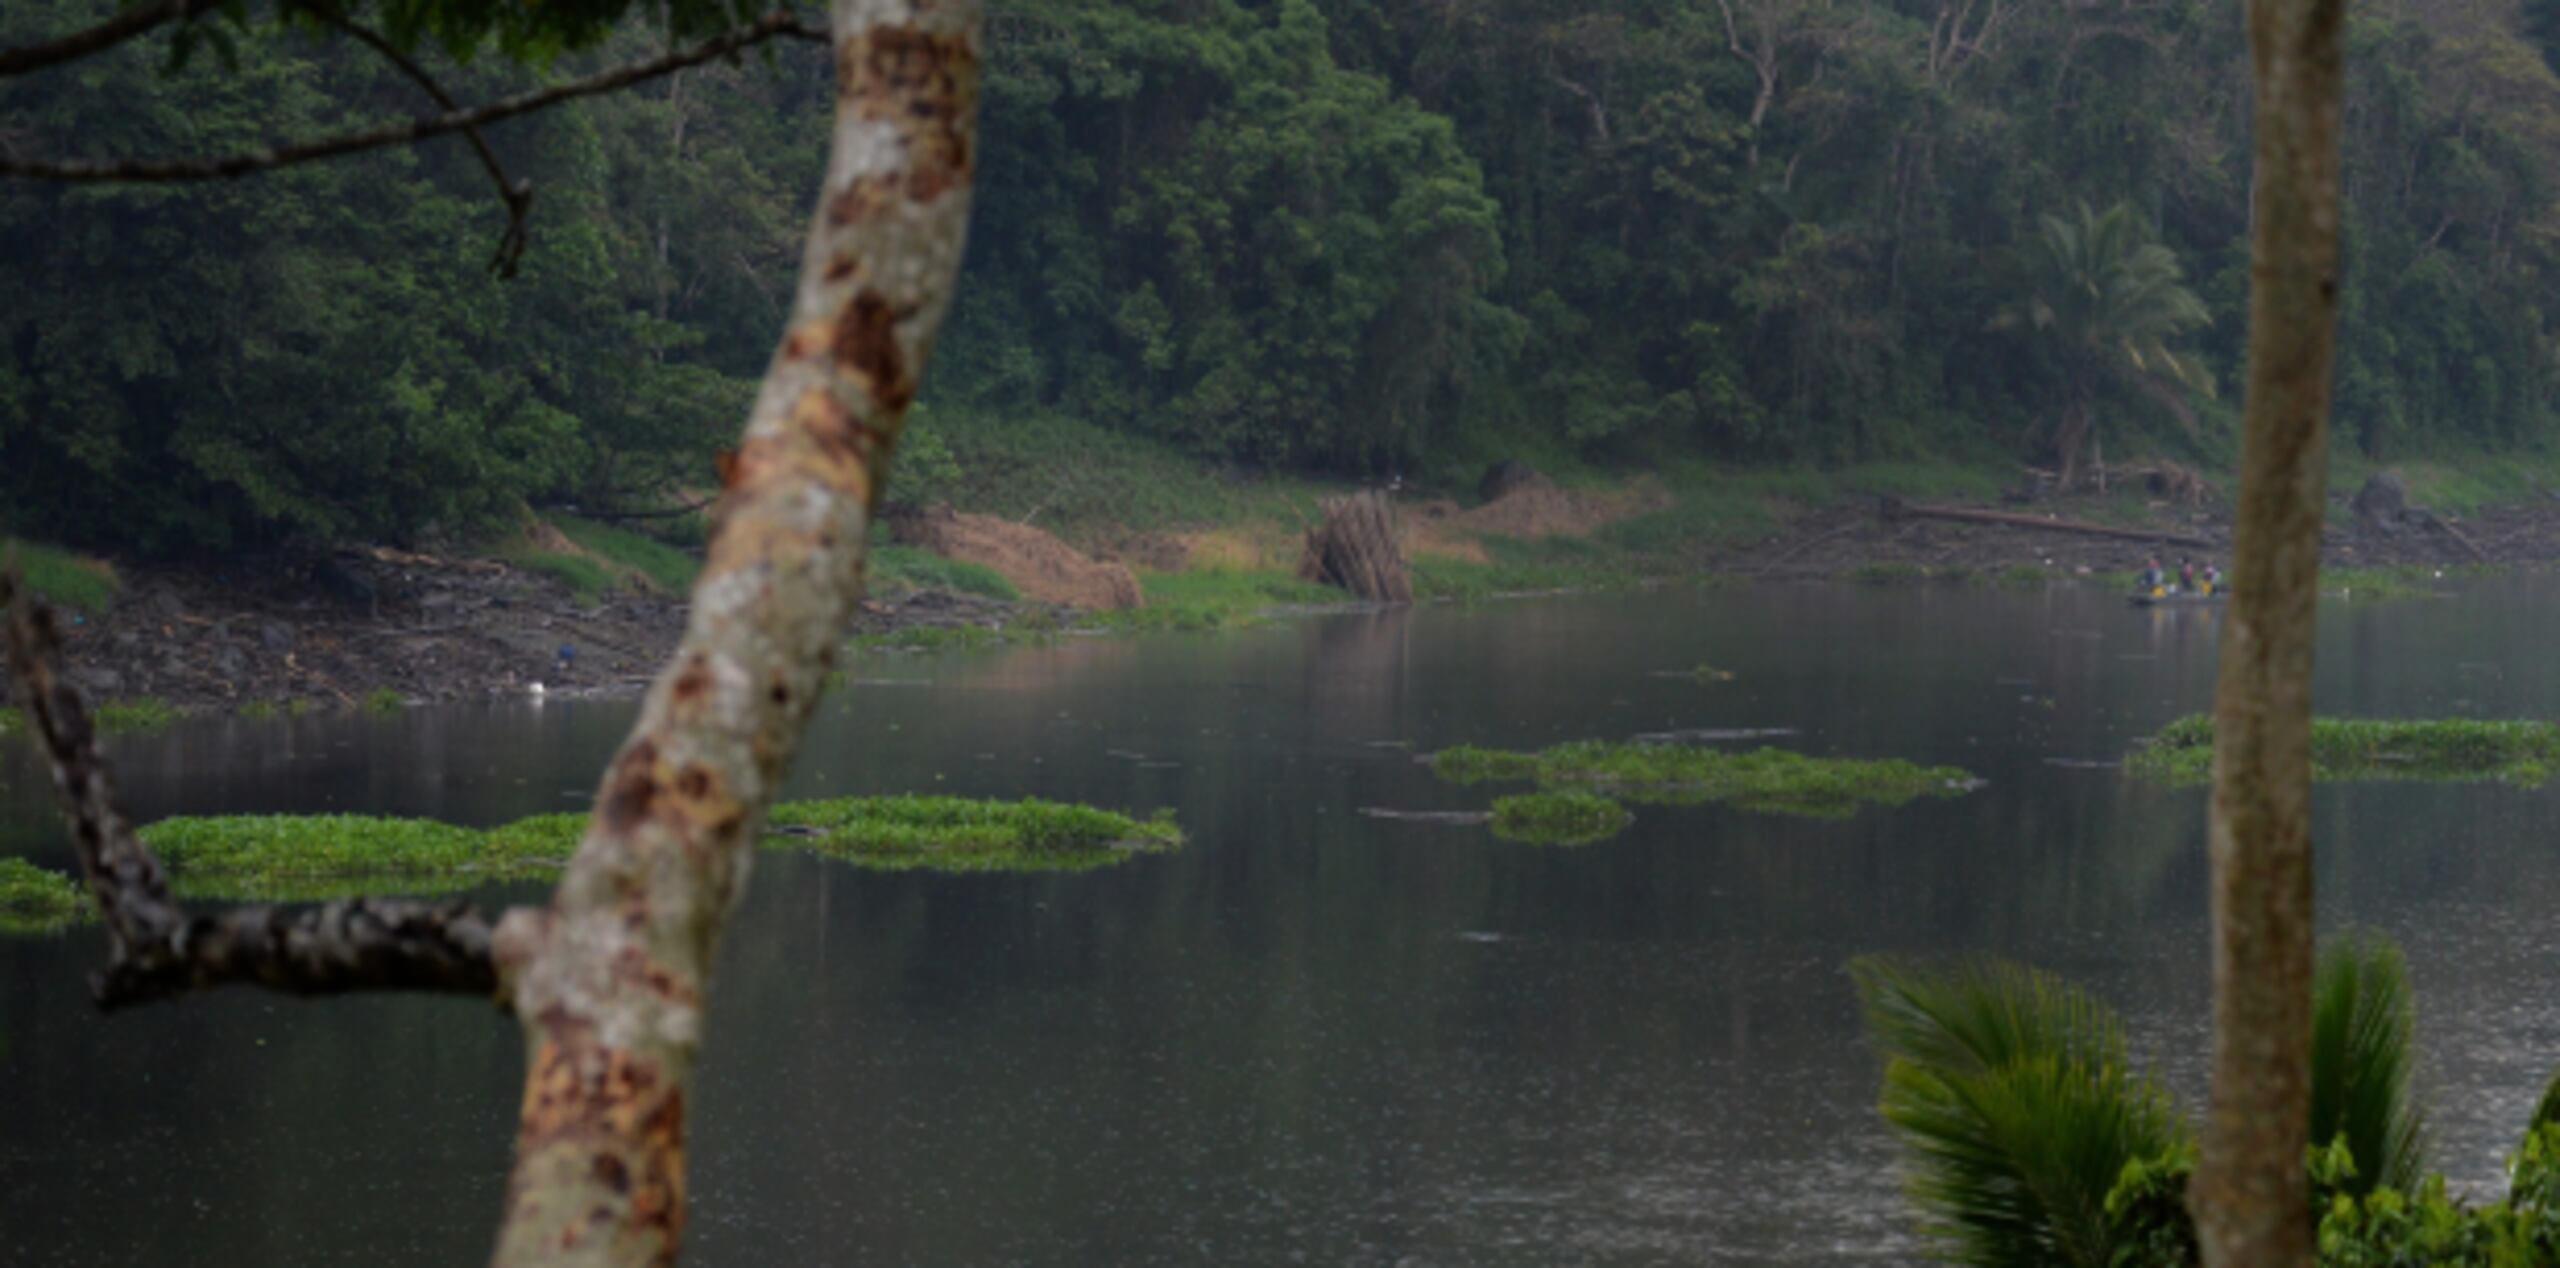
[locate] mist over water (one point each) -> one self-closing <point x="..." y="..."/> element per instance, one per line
<point x="1313" y="1036"/>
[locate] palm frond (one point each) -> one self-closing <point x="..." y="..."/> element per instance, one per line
<point x="2014" y="1093"/>
<point x="2363" y="1025"/>
<point x="2547" y="1110"/>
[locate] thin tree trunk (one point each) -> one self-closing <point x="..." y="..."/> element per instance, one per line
<point x="2251" y="1195"/>
<point x="611" y="979"/>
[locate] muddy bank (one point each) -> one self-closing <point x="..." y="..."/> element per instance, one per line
<point x="1842" y="540"/>
<point x="364" y="625"/>
<point x="361" y="624"/>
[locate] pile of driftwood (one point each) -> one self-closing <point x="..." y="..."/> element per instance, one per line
<point x="1356" y="549"/>
<point x="1896" y="509"/>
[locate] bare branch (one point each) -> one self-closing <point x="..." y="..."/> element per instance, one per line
<point x="516" y="194"/>
<point x="355" y="944"/>
<point x="134" y="171"/>
<point x="98" y="39"/>
<point x="155" y="949"/>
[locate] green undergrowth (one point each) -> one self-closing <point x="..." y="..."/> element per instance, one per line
<point x="588" y="580"/>
<point x="39" y="900"/>
<point x="2458" y="483"/>
<point x="1558" y="818"/>
<point x="145" y="713"/>
<point x="2452" y="750"/>
<point x="302" y="858"/>
<point x="1238" y="589"/>
<point x="1522" y="565"/>
<point x="60" y="577"/>
<point x="901" y="569"/>
<point x="1091" y="484"/>
<point x="961" y="835"/>
<point x="665" y="568"/>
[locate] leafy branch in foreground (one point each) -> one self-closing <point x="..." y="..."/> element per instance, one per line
<point x="2522" y="753"/>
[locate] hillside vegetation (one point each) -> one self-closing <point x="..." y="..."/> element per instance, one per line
<point x="1314" y="237"/>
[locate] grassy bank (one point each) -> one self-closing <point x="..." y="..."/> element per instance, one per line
<point x="63" y="578"/>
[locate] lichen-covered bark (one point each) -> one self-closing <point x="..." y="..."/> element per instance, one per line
<point x="610" y="980"/>
<point x="2250" y="1195"/>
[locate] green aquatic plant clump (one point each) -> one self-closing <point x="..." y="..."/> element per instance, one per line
<point x="311" y="858"/>
<point x="38" y="900"/>
<point x="959" y="834"/>
<point x="1768" y="779"/>
<point x="1468" y="764"/>
<point x="1558" y="818"/>
<point x="281" y="858"/>
<point x="2522" y="753"/>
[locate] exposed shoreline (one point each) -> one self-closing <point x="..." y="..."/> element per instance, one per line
<point x="424" y="629"/>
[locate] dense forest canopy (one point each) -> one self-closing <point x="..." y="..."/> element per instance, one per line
<point x="1340" y="235"/>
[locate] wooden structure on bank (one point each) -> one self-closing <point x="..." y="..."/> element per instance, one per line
<point x="1355" y="548"/>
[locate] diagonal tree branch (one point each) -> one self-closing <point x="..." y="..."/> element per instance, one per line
<point x="517" y="195"/>
<point x="155" y="949"/>
<point x="139" y="20"/>
<point x="137" y="171"/>
<point x="611" y="979"/>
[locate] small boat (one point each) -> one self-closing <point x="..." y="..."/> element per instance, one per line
<point x="2174" y="598"/>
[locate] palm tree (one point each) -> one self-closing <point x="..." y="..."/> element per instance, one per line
<point x="2014" y="1092"/>
<point x="2013" y="1089"/>
<point x="2107" y="300"/>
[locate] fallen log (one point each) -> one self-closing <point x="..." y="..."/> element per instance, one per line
<point x="1896" y="508"/>
<point x="2459" y="537"/>
<point x="1355" y="548"/>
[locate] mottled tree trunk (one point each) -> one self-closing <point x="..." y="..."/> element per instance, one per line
<point x="2251" y="1195"/>
<point x="610" y="980"/>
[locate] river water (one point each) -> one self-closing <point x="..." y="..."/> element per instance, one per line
<point x="1313" y="1036"/>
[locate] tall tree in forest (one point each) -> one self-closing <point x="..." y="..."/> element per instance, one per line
<point x="2251" y="1196"/>
<point x="2107" y="300"/>
<point x="610" y="979"/>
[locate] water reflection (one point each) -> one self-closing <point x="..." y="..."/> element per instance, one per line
<point x="1311" y="1036"/>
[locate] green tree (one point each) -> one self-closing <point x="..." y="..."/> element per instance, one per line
<point x="2105" y="301"/>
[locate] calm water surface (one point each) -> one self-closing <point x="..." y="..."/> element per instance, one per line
<point x="1311" y="1037"/>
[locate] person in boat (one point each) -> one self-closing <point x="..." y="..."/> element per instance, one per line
<point x="2152" y="580"/>
<point x="2212" y="579"/>
<point x="2187" y="575"/>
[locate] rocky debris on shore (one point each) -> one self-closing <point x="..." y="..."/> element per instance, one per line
<point x="347" y="628"/>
